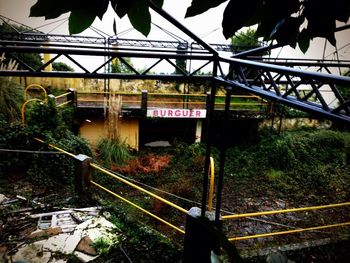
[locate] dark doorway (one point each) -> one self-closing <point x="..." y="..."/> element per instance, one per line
<point x="170" y="130"/>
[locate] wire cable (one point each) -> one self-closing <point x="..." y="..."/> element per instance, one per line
<point x="30" y="151"/>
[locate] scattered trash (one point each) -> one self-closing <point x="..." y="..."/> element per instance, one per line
<point x="29" y="236"/>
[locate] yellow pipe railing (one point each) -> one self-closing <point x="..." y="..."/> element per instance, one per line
<point x="63" y="95"/>
<point x="138" y="207"/>
<point x="56" y="148"/>
<point x="211" y="173"/>
<point x="139" y="188"/>
<point x="64" y="103"/>
<point x="24" y="106"/>
<point x="223" y="217"/>
<point x="284" y="211"/>
<point x="34" y="86"/>
<point x="293" y="231"/>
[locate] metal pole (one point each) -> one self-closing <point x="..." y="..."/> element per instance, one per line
<point x="199" y="241"/>
<point x="210" y="117"/>
<point x="222" y="155"/>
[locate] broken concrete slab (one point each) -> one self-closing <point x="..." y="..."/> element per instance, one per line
<point x="86" y="246"/>
<point x="61" y="232"/>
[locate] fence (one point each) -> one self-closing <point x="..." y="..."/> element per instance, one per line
<point x="202" y="235"/>
<point x="140" y="100"/>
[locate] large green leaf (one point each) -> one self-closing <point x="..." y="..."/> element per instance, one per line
<point x="288" y="31"/>
<point x="237" y="14"/>
<point x="122" y="7"/>
<point x="200" y="6"/>
<point x="342" y="10"/>
<point x="80" y="19"/>
<point x="272" y="14"/>
<point x="320" y="15"/>
<point x="100" y="6"/>
<point x="158" y="3"/>
<point x="140" y="17"/>
<point x="304" y="40"/>
<point x="50" y="9"/>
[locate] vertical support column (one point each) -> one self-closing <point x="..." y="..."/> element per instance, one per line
<point x="72" y="97"/>
<point x="199" y="240"/>
<point x="209" y="119"/>
<point x="47" y="58"/>
<point x="82" y="173"/>
<point x="222" y="155"/>
<point x="198" y="138"/>
<point x="144" y="98"/>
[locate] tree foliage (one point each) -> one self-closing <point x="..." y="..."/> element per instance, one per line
<point x="11" y="97"/>
<point x="119" y="66"/>
<point x="61" y="66"/>
<point x="33" y="60"/>
<point x="290" y="22"/>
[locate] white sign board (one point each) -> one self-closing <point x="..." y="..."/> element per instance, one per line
<point x="177" y="113"/>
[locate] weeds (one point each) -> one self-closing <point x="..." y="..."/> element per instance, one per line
<point x="113" y="151"/>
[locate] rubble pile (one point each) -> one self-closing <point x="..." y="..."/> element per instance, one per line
<point x="31" y="233"/>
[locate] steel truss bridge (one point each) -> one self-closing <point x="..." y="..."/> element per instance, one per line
<point x="283" y="81"/>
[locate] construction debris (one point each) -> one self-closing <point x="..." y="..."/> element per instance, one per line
<point x="53" y="236"/>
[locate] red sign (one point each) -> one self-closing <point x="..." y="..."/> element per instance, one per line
<point x="177" y="113"/>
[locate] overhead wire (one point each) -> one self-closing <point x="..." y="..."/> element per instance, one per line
<point x="176" y="37"/>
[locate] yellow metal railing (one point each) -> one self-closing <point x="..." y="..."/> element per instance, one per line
<point x="285" y="211"/>
<point x="235" y="216"/>
<point x="36" y="87"/>
<point x="23" y="108"/>
<point x="95" y="166"/>
<point x="139" y="188"/>
<point x="138" y="207"/>
<point x="292" y="210"/>
<point x="211" y="173"/>
<point x="287" y="232"/>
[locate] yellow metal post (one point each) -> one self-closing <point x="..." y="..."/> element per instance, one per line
<point x="24" y="107"/>
<point x="34" y="86"/>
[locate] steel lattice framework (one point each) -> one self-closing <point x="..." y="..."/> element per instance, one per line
<point x="306" y="91"/>
<point x="275" y="80"/>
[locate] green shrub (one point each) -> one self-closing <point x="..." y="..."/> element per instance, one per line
<point x="11" y="97"/>
<point x="113" y="151"/>
<point x="45" y="122"/>
<point x="317" y="159"/>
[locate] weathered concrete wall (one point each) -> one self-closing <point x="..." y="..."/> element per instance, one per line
<point x="94" y="130"/>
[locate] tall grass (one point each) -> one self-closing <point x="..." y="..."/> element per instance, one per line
<point x="11" y="93"/>
<point x="113" y="150"/>
<point x="11" y="97"/>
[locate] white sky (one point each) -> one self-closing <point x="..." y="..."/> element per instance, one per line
<point x="207" y="25"/>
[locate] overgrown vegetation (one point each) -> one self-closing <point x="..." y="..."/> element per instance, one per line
<point x="113" y="151"/>
<point x="295" y="162"/>
<point x="44" y="121"/>
<point x="312" y="165"/>
<point x="11" y="97"/>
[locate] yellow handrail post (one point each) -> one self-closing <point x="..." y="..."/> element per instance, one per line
<point x="23" y="108"/>
<point x="34" y="86"/>
<point x="211" y="174"/>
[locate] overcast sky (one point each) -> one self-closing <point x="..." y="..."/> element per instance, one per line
<point x="207" y="25"/>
